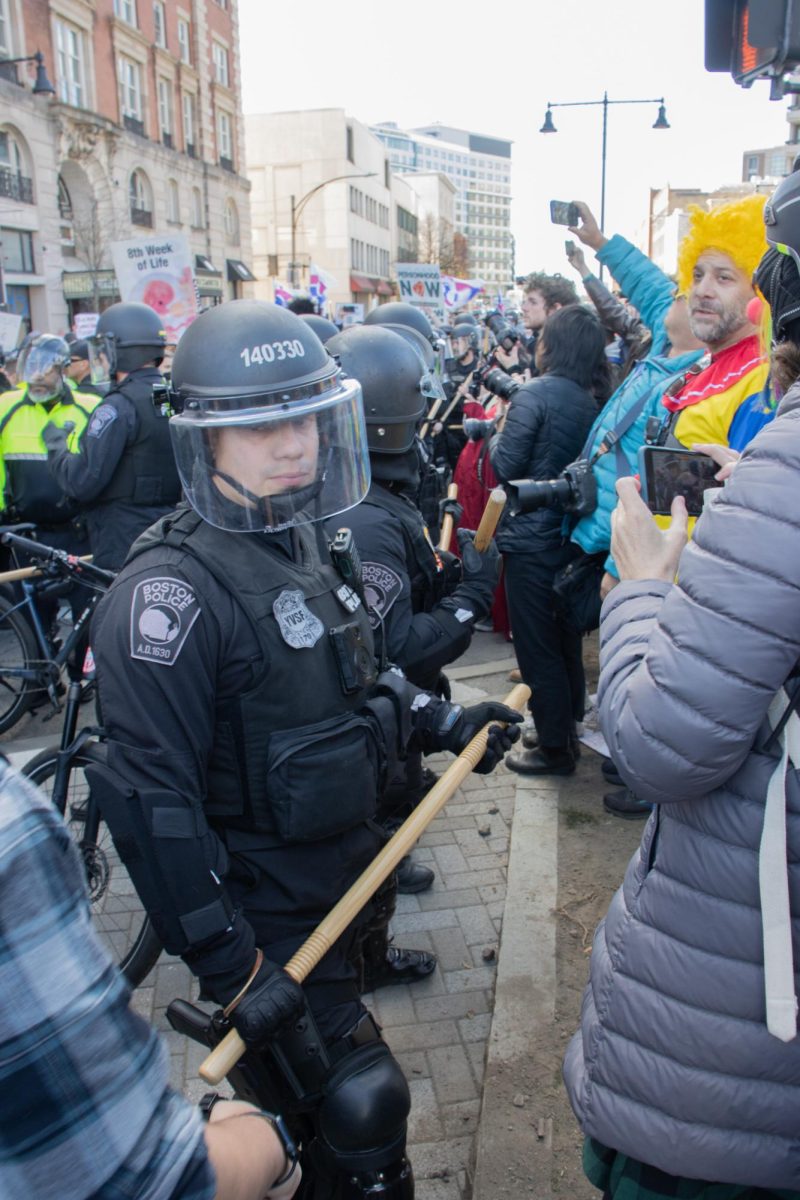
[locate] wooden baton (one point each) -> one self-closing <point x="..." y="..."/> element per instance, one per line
<point x="491" y="515"/>
<point x="446" y="532"/>
<point x="27" y="572"/>
<point x="225" y="1056"/>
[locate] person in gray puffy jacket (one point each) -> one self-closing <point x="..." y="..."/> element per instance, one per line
<point x="687" y="1065"/>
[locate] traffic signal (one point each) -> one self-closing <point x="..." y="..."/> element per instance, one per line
<point x="753" y="39"/>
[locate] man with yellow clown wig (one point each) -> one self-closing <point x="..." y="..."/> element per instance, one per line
<point x="724" y="398"/>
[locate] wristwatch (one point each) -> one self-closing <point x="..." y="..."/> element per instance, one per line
<point x="277" y="1122"/>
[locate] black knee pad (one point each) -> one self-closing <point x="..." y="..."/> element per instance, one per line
<point x="364" y="1109"/>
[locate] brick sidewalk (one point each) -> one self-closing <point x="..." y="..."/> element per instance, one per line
<point x="437" y="1028"/>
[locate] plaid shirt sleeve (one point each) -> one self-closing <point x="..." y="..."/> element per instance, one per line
<point x="85" y="1110"/>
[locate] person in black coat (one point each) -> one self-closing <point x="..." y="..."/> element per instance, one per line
<point x="545" y="429"/>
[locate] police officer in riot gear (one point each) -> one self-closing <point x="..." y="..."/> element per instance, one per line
<point x="422" y="609"/>
<point x="250" y="730"/>
<point x="323" y="328"/>
<point x="125" y="472"/>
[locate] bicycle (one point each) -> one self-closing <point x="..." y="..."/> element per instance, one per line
<point x="31" y="660"/>
<point x="59" y="772"/>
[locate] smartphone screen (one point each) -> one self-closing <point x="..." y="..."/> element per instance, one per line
<point x="666" y="473"/>
<point x="564" y="213"/>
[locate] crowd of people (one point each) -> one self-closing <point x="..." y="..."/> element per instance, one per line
<point x="271" y="668"/>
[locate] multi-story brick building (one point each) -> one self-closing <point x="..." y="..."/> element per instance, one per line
<point x="144" y="133"/>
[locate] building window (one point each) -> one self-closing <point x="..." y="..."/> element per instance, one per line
<point x="126" y="11"/>
<point x="225" y="140"/>
<point x="130" y="94"/>
<point x="777" y="164"/>
<point x="231" y="223"/>
<point x="350" y="154"/>
<point x="220" y="57"/>
<point x="160" y="24"/>
<point x="6" y="49"/>
<point x="17" y="251"/>
<point x="353" y="199"/>
<point x="189" y="143"/>
<point x="14" y="183"/>
<point x="141" y="198"/>
<point x="197" y="209"/>
<point x="173" y="202"/>
<point x="184" y="50"/>
<point x="70" y="64"/>
<point x="165" y="111"/>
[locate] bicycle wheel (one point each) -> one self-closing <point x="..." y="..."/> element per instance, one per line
<point x="17" y="652"/>
<point x="117" y="913"/>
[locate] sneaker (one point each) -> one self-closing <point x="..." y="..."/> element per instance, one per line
<point x="543" y="761"/>
<point x="413" y="877"/>
<point x="627" y="806"/>
<point x="400" y="966"/>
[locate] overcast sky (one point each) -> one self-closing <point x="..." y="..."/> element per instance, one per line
<point x="493" y="68"/>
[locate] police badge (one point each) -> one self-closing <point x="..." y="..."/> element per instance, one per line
<point x="299" y="628"/>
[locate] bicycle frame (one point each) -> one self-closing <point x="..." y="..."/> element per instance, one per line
<point x="72" y="744"/>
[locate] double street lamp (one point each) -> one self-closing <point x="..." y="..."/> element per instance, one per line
<point x="660" y="122"/>
<point x="299" y="205"/>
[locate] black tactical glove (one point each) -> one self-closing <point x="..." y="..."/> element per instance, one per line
<point x="452" y="507"/>
<point x="481" y="567"/>
<point x="440" y="726"/>
<point x="272" y="1001"/>
<point x="55" y="436"/>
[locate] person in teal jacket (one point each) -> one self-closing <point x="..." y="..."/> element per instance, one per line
<point x="673" y="350"/>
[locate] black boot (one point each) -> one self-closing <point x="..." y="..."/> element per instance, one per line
<point x="413" y="877"/>
<point x="530" y="740"/>
<point x="398" y="966"/>
<point x="544" y="761"/>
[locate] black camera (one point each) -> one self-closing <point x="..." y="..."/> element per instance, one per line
<point x="476" y="429"/>
<point x="477" y="382"/>
<point x="504" y="334"/>
<point x="575" y="491"/>
<point x="499" y="383"/>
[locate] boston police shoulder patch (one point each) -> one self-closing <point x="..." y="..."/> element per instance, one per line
<point x="382" y="586"/>
<point x="102" y="417"/>
<point x="162" y="613"/>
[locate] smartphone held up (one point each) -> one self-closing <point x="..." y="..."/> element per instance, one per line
<point x="666" y="472"/>
<point x="563" y="212"/>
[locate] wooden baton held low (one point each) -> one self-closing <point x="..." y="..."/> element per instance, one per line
<point x="446" y="532"/>
<point x="491" y="515"/>
<point x="225" y="1056"/>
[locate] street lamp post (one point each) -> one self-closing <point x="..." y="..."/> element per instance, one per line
<point x="297" y="208"/>
<point x="42" y="85"/>
<point x="660" y="122"/>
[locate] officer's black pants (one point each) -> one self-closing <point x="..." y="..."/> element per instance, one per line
<point x="548" y="652"/>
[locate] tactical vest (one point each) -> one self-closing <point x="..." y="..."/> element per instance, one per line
<point x="422" y="562"/>
<point x="294" y="756"/>
<point x="146" y="474"/>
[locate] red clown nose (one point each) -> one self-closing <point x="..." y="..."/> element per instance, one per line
<point x="754" y="310"/>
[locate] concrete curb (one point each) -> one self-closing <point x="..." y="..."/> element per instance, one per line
<point x="513" y="1142"/>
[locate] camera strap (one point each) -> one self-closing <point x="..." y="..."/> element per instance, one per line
<point x="614" y="436"/>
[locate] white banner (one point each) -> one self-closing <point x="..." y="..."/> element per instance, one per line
<point x="158" y="271"/>
<point x="85" y="324"/>
<point x="9" y="330"/>
<point x="421" y="284"/>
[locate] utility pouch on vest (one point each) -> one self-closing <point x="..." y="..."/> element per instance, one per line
<point x="323" y="778"/>
<point x="354" y="658"/>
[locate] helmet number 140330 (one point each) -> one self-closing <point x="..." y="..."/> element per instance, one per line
<point x="270" y="351"/>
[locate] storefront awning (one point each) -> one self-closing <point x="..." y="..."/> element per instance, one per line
<point x="204" y="264"/>
<point x="385" y="289"/>
<point x="80" y="285"/>
<point x="238" y="272"/>
<point x="362" y="283"/>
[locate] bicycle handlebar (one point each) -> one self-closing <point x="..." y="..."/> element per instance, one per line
<point x="60" y="560"/>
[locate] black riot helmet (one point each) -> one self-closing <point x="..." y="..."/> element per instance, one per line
<point x="468" y="319"/>
<point x="323" y="328"/>
<point x="127" y="336"/>
<point x="397" y="312"/>
<point x="266" y="431"/>
<point x="781" y="216"/>
<point x="468" y="332"/>
<point x="391" y="376"/>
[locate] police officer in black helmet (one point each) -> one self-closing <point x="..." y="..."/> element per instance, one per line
<point x="125" y="473"/>
<point x="250" y="730"/>
<point x="423" y="604"/>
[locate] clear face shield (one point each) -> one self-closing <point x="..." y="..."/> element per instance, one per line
<point x="102" y="358"/>
<point x="273" y="466"/>
<point x="42" y="368"/>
